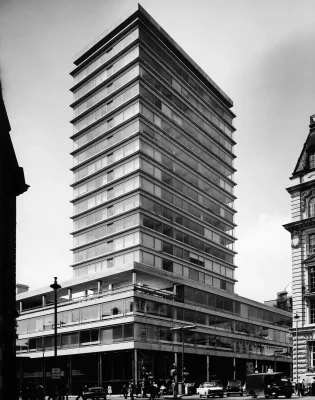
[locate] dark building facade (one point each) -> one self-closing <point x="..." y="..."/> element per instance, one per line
<point x="12" y="184"/>
<point x="153" y="227"/>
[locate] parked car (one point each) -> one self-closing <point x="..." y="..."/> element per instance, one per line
<point x="95" y="393"/>
<point x="190" y="388"/>
<point x="234" y="387"/>
<point x="268" y="385"/>
<point x="210" y="389"/>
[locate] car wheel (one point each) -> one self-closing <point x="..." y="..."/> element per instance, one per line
<point x="221" y="395"/>
<point x="288" y="396"/>
<point x="253" y="394"/>
<point x="227" y="395"/>
<point x="241" y="394"/>
<point x="267" y="397"/>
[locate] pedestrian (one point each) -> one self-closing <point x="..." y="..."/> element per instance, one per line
<point x="109" y="390"/>
<point x="162" y="390"/>
<point x="32" y="392"/>
<point x="62" y="391"/>
<point x="24" y="392"/>
<point x="303" y="388"/>
<point x="313" y="387"/>
<point x="40" y="392"/>
<point x="50" y="394"/>
<point x="81" y="392"/>
<point x="144" y="388"/>
<point x="131" y="390"/>
<point x="299" y="386"/>
<point x="151" y="391"/>
<point x="54" y="393"/>
<point x="124" y="391"/>
<point x="156" y="389"/>
<point x="174" y="388"/>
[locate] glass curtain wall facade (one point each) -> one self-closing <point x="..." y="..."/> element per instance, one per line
<point x="153" y="162"/>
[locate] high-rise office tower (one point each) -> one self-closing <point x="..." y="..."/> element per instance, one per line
<point x="153" y="159"/>
<point x="153" y="226"/>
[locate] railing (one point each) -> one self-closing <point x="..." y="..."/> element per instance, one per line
<point x="134" y="288"/>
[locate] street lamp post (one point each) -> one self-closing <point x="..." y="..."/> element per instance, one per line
<point x="296" y="317"/>
<point x="55" y="287"/>
<point x="183" y="328"/>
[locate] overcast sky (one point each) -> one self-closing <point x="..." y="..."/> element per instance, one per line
<point x="261" y="53"/>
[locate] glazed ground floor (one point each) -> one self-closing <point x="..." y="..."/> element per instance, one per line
<point x="117" y="367"/>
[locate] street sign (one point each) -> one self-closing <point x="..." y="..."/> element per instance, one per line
<point x="55" y="373"/>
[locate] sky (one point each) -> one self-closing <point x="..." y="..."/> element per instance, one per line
<point x="261" y="53"/>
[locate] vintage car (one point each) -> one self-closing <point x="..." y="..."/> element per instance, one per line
<point x="234" y="387"/>
<point x="95" y="393"/>
<point x="210" y="389"/>
<point x="269" y="384"/>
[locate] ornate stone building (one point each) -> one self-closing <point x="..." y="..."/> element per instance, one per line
<point x="302" y="229"/>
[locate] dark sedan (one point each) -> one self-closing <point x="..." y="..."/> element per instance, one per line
<point x="234" y="387"/>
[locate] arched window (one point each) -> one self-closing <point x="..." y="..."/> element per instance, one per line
<point x="311" y="208"/>
<point x="311" y="243"/>
<point x="311" y="159"/>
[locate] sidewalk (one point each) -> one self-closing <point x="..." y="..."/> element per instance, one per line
<point x="120" y="396"/>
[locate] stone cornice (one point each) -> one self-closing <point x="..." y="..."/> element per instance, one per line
<point x="306" y="331"/>
<point x="301" y="186"/>
<point x="299" y="225"/>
